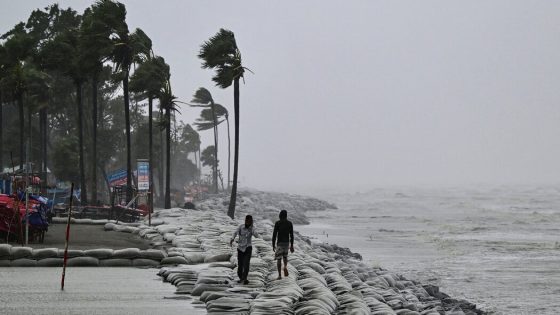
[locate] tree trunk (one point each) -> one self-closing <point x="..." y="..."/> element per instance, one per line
<point x="83" y="188"/>
<point x="21" y="131"/>
<point x="94" y="149"/>
<point x="43" y="133"/>
<point x="168" y="159"/>
<point x="151" y="155"/>
<point x="231" y="208"/>
<point x="215" y="166"/>
<point x="127" y="126"/>
<point x="161" y="162"/>
<point x="228" y="154"/>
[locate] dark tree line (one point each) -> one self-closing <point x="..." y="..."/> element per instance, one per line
<point x="80" y="89"/>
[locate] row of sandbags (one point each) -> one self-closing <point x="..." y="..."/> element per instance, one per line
<point x="17" y="256"/>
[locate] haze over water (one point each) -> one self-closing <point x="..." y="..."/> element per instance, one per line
<point x="497" y="247"/>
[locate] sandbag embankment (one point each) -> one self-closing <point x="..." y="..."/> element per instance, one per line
<point x="18" y="256"/>
<point x="322" y="279"/>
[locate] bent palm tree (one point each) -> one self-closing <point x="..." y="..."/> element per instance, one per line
<point x="148" y="80"/>
<point x="221" y="53"/>
<point x="127" y="49"/>
<point x="203" y="98"/>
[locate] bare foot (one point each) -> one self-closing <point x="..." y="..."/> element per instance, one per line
<point x="286" y="272"/>
<point x="279" y="278"/>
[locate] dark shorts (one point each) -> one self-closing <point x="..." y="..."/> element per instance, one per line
<point x="281" y="250"/>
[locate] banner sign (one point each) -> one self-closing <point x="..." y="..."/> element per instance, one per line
<point x="117" y="177"/>
<point x="143" y="171"/>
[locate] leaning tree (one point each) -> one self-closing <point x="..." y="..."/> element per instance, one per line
<point x="221" y="53"/>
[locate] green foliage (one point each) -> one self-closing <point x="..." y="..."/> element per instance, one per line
<point x="64" y="155"/>
<point x="207" y="156"/>
<point x="220" y="53"/>
<point x="150" y="77"/>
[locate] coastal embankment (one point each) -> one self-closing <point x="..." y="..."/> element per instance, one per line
<point x="191" y="248"/>
<point x="323" y="278"/>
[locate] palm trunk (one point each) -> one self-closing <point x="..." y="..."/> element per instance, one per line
<point x="168" y="159"/>
<point x="231" y="208"/>
<point x="83" y="188"/>
<point x="228" y="154"/>
<point x="21" y="131"/>
<point x="199" y="165"/>
<point x="43" y="132"/>
<point x="30" y="145"/>
<point x="161" y="163"/>
<point x="127" y="126"/>
<point x="215" y="166"/>
<point x="151" y="155"/>
<point x="94" y="149"/>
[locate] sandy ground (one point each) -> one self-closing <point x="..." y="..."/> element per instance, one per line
<point x="84" y="236"/>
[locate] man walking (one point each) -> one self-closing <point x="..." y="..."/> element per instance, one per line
<point x="284" y="230"/>
<point x="244" y="248"/>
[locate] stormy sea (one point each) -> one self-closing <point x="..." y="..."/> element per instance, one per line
<point x="498" y="247"/>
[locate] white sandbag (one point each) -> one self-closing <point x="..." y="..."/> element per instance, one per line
<point x="109" y="226"/>
<point x="24" y="262"/>
<point x="177" y="260"/>
<point x="128" y="253"/>
<point x="45" y="253"/>
<point x="83" y="261"/>
<point x="82" y="221"/>
<point x="153" y="254"/>
<point x="50" y="262"/>
<point x="5" y="251"/>
<point x="118" y="262"/>
<point x="141" y="262"/>
<point x="217" y="257"/>
<point x="194" y="258"/>
<point x="20" y="252"/>
<point x="99" y="253"/>
<point x="71" y="253"/>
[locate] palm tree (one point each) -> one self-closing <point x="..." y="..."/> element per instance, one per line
<point x="207" y="157"/>
<point x="148" y="80"/>
<point x="96" y="46"/>
<point x="221" y="53"/>
<point x="18" y="47"/>
<point x="192" y="144"/>
<point x="128" y="48"/>
<point x="3" y="66"/>
<point x="168" y="102"/>
<point x="64" y="53"/>
<point x="203" y="98"/>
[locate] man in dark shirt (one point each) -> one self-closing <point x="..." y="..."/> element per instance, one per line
<point x="284" y="230"/>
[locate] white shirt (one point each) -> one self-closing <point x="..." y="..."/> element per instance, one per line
<point x="245" y="236"/>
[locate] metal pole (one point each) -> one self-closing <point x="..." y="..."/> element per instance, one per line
<point x="67" y="238"/>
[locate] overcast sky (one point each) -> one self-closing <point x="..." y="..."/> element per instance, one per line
<point x="360" y="94"/>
